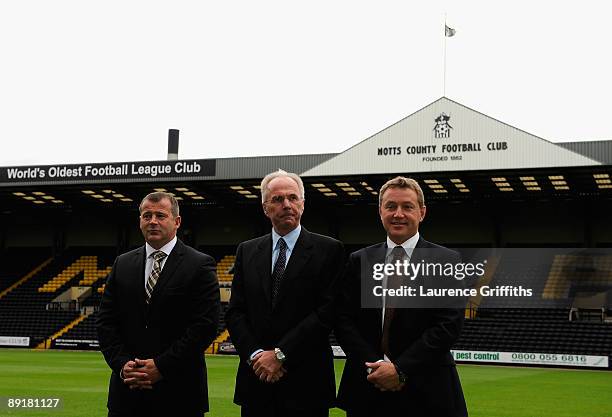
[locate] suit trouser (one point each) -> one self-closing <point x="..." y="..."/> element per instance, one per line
<point x="176" y="413"/>
<point x="275" y="410"/>
<point x="388" y="410"/>
<point x="446" y="401"/>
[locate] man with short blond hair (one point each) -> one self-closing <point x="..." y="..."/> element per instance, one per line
<point x="403" y="182"/>
<point x="398" y="359"/>
<point x="281" y="310"/>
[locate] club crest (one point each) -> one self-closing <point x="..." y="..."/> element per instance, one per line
<point x="442" y="128"/>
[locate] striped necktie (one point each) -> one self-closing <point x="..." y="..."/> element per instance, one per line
<point x="155" y="273"/>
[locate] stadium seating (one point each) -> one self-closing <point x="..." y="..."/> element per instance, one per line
<point x="496" y="324"/>
<point x="28" y="308"/>
<point x="224" y="266"/>
<point x="542" y="324"/>
<point x="88" y="265"/>
<point x="17" y="262"/>
<point x="35" y="323"/>
<point x="85" y="330"/>
<point x="30" y="311"/>
<point x="534" y="330"/>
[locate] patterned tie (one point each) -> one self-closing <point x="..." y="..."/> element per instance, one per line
<point x="397" y="254"/>
<point x="155" y="273"/>
<point x="279" y="268"/>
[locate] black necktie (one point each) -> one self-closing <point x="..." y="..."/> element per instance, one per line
<point x="279" y="268"/>
<point x="397" y="254"/>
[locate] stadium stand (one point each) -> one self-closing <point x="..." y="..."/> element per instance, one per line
<point x="497" y="324"/>
<point x="35" y="323"/>
<point x="28" y="308"/>
<point x="534" y="330"/>
<point x="487" y="185"/>
<point x="18" y="262"/>
<point x="224" y="268"/>
<point x="85" y="330"/>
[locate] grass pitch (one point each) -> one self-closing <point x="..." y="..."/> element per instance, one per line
<point x="80" y="379"/>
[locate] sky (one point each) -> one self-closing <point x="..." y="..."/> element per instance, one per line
<point x="103" y="81"/>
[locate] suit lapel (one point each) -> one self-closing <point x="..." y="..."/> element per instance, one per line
<point x="376" y="255"/>
<point x="137" y="271"/>
<point x="172" y="263"/>
<point x="263" y="265"/>
<point x="420" y="250"/>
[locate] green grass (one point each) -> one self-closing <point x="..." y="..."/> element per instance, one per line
<point x="80" y="379"/>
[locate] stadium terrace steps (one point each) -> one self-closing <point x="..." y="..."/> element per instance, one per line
<point x="579" y="271"/>
<point x="18" y="262"/>
<point x="47" y="343"/>
<point x="88" y="265"/>
<point x="83" y="330"/>
<point x="224" y="266"/>
<point x="27" y="312"/>
<point x="86" y="329"/>
<point x="36" y="324"/>
<point x="490" y="270"/>
<point x="499" y="325"/>
<point x="23" y="311"/>
<point x="26" y="296"/>
<point x="531" y="330"/>
<point x="26" y="277"/>
<point x="221" y="338"/>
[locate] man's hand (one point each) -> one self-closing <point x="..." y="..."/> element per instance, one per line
<point x="267" y="367"/>
<point x="141" y="373"/>
<point x="148" y="367"/>
<point x="384" y="376"/>
<point x="134" y="377"/>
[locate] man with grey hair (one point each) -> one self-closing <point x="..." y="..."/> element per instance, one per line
<point x="159" y="311"/>
<point x="282" y="308"/>
<point x="398" y="359"/>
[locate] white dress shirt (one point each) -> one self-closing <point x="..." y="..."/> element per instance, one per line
<point x="167" y="249"/>
<point x="290" y="239"/>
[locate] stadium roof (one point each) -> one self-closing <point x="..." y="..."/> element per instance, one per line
<point x="599" y="150"/>
<point x="454" y="151"/>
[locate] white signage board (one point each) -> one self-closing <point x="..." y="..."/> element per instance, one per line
<point x="447" y="136"/>
<point x="522" y="358"/>
<point x="14" y="341"/>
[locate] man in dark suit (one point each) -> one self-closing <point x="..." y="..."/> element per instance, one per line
<point x="281" y="310"/>
<point x="398" y="359"/>
<point x="159" y="311"/>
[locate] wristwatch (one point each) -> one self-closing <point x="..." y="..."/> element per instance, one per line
<point x="279" y="355"/>
<point x="402" y="376"/>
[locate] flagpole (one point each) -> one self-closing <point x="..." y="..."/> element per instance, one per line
<point x="444" y="83"/>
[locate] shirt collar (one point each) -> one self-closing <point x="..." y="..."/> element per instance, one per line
<point x="167" y="248"/>
<point x="290" y="238"/>
<point x="408" y="245"/>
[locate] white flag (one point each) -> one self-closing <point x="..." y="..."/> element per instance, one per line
<point x="448" y="31"/>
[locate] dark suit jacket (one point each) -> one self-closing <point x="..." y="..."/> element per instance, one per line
<point x="174" y="329"/>
<point x="299" y="324"/>
<point x="419" y="344"/>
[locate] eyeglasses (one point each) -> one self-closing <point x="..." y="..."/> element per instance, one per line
<point x="280" y="199"/>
